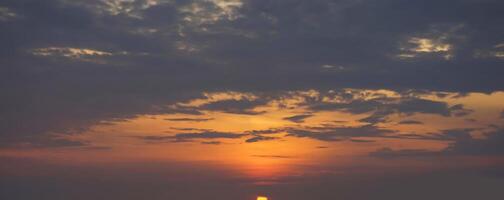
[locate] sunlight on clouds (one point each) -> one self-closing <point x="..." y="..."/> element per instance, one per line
<point x="211" y="11"/>
<point x="264" y="145"/>
<point x="437" y="41"/>
<point x="130" y="8"/>
<point x="429" y="45"/>
<point x="116" y="7"/>
<point x="69" y="52"/>
<point x="425" y="46"/>
<point x="80" y="54"/>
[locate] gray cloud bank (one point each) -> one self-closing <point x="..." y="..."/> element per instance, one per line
<point x="65" y="65"/>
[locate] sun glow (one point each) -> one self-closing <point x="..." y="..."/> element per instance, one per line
<point x="262" y="198"/>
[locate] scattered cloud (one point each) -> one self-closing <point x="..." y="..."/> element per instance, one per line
<point x="266" y="131"/>
<point x="189" y="119"/>
<point x="211" y="142"/>
<point x="298" y="118"/>
<point x="243" y="106"/>
<point x="260" y="138"/>
<point x="69" y="52"/>
<point x="463" y="144"/>
<point x="339" y="133"/>
<point x="190" y="137"/>
<point x="410" y="122"/>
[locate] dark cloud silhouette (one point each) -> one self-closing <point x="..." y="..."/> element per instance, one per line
<point x="48" y="142"/>
<point x="410" y="122"/>
<point x="298" y="118"/>
<point x="382" y="107"/>
<point x="189" y="119"/>
<point x="260" y="138"/>
<point x="266" y="131"/>
<point x="243" y="106"/>
<point x="463" y="144"/>
<point x="493" y="144"/>
<point x="188" y="137"/>
<point x="211" y="142"/>
<point x="361" y="141"/>
<point x="339" y="133"/>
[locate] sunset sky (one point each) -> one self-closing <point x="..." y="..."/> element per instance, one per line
<point x="251" y="99"/>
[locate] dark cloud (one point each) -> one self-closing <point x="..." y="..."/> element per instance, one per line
<point x="159" y="57"/>
<point x="266" y="131"/>
<point x="190" y="129"/>
<point x="188" y="137"/>
<point x="339" y="133"/>
<point x="361" y="141"/>
<point x="243" y="106"/>
<point x="410" y="122"/>
<point x="382" y="107"/>
<point x="463" y="144"/>
<point x="260" y="138"/>
<point x="211" y="142"/>
<point x="298" y="118"/>
<point x="189" y="119"/>
<point x="55" y="142"/>
<point x="492" y="145"/>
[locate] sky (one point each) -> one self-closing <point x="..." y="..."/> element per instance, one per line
<point x="237" y="99"/>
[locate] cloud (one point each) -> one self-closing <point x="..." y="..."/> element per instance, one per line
<point x="383" y="107"/>
<point x="266" y="131"/>
<point x="190" y="137"/>
<point x="69" y="52"/>
<point x="211" y="142"/>
<point x="48" y="141"/>
<point x="207" y="135"/>
<point x="361" y="141"/>
<point x="298" y="118"/>
<point x="435" y="42"/>
<point x="243" y="106"/>
<point x="493" y="144"/>
<point x="246" y="46"/>
<point x="410" y="122"/>
<point x="189" y="119"/>
<point x="463" y="144"/>
<point x="260" y="138"/>
<point x="339" y="133"/>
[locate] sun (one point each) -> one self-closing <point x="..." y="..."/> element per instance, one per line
<point x="262" y="198"/>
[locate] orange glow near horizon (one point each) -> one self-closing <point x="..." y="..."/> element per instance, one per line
<point x="262" y="198"/>
<point x="275" y="154"/>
